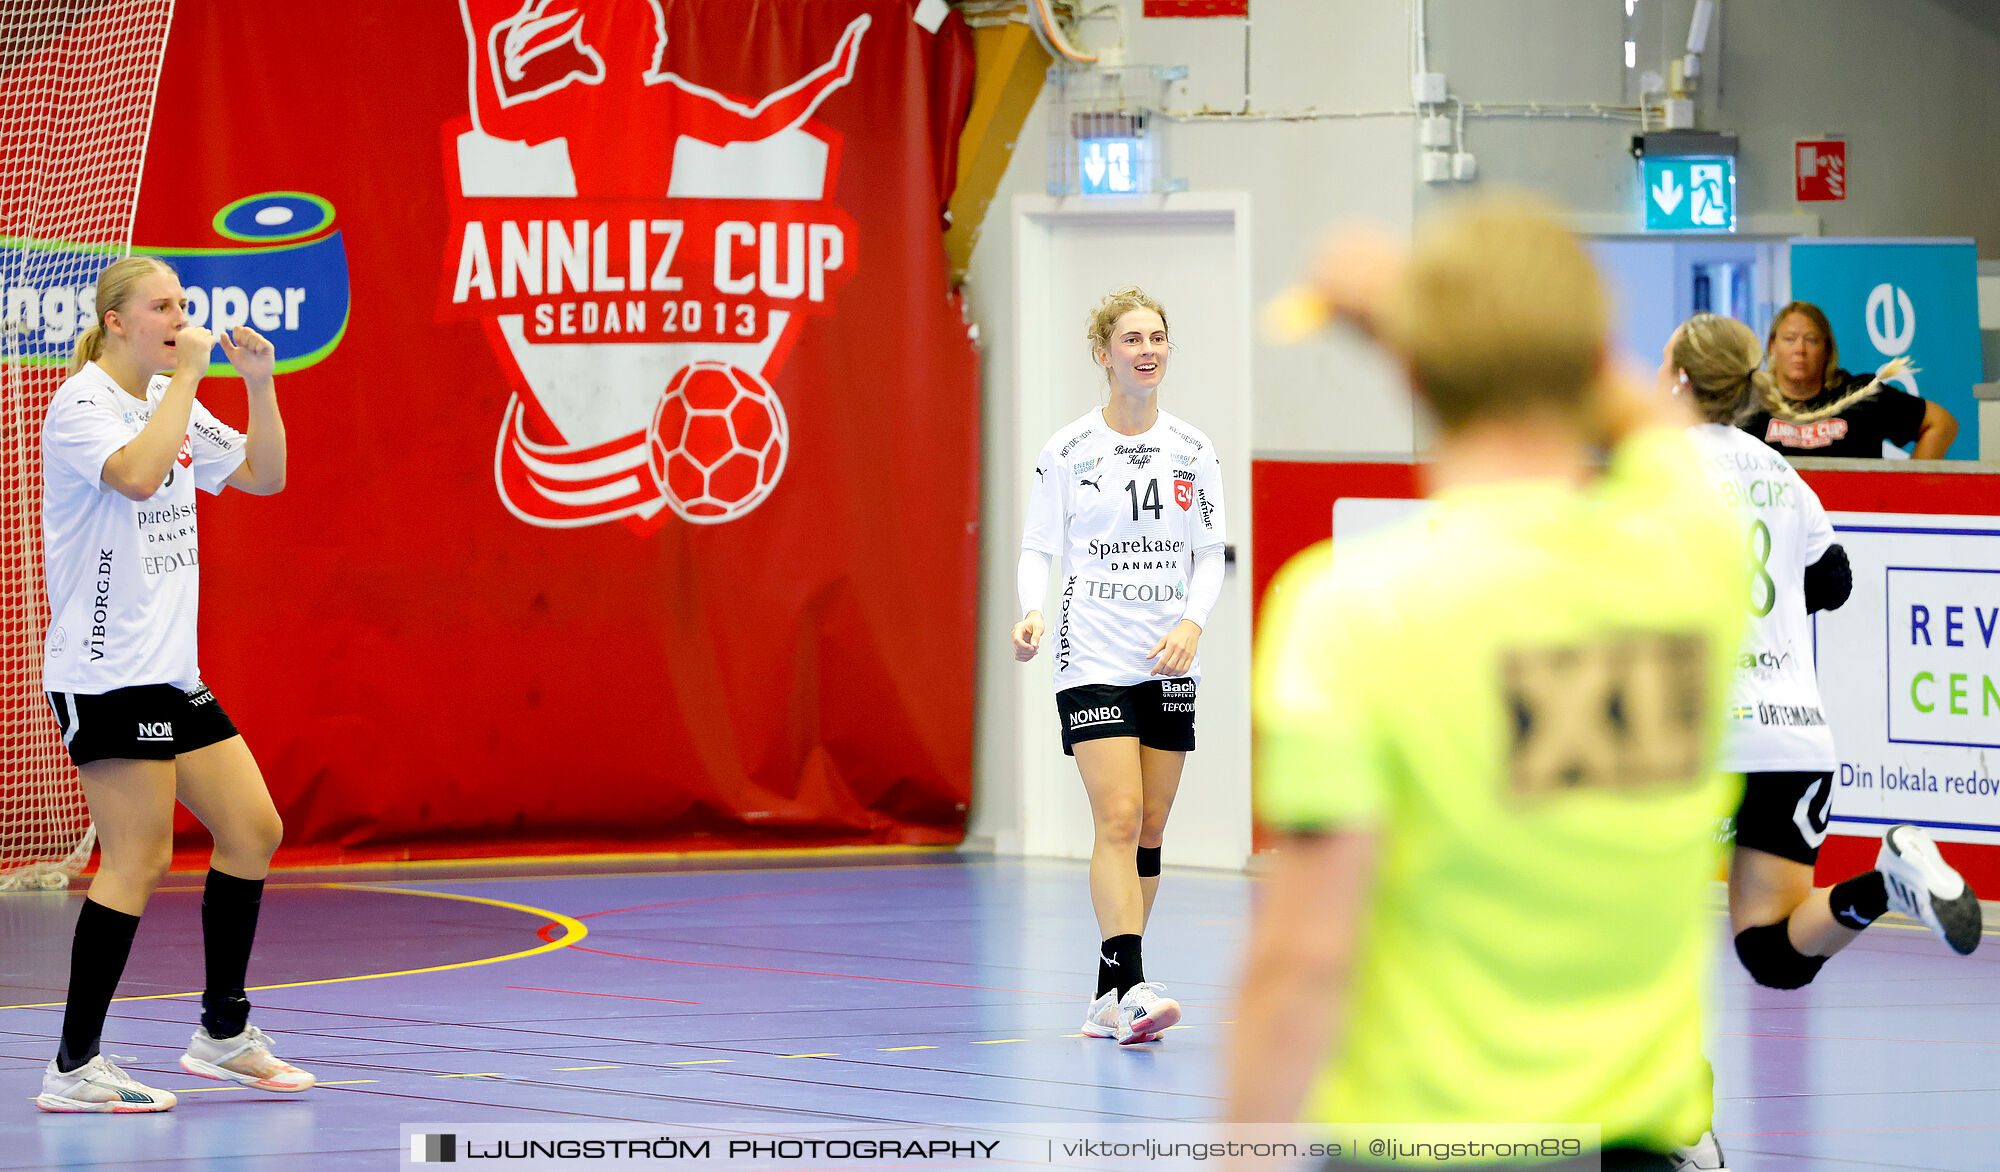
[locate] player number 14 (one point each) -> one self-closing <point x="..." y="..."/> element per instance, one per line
<point x="1152" y="501"/>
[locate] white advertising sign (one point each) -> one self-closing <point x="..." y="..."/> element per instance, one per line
<point x="1911" y="676"/>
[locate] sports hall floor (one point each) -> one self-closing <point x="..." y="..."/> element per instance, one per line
<point x="871" y="994"/>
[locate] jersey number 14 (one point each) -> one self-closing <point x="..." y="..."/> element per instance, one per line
<point x="1152" y="502"/>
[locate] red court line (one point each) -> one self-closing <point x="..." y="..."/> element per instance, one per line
<point x="587" y="993"/>
<point x="751" y="968"/>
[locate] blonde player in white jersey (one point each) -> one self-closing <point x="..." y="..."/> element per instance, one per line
<point x="1778" y="736"/>
<point x="124" y="447"/>
<point x="1130" y="498"/>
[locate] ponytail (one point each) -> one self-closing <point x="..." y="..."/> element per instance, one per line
<point x="1782" y="408"/>
<point x="1763" y="389"/>
<point x="89" y="346"/>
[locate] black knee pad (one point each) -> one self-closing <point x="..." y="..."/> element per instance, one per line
<point x="1149" y="861"/>
<point x="1768" y="956"/>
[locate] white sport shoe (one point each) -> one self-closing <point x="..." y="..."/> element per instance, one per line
<point x="1145" y="1012"/>
<point x="1924" y="887"/>
<point x="245" y="1058"/>
<point x="1102" y="1020"/>
<point x="98" y="1085"/>
<point x="1704" y="1156"/>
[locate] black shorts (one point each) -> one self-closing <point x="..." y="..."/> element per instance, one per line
<point x="151" y="722"/>
<point x="1159" y="712"/>
<point x="1785" y="814"/>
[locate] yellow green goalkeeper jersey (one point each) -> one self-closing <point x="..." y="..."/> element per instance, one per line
<point x="1518" y="696"/>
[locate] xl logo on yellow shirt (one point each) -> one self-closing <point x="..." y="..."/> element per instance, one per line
<point x="1622" y="711"/>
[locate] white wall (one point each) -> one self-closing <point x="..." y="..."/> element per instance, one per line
<point x="1910" y="84"/>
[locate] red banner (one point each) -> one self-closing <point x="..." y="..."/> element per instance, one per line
<point x="1157" y="8"/>
<point x="635" y="505"/>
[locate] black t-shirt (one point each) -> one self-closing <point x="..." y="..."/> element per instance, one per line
<point x="1888" y="414"/>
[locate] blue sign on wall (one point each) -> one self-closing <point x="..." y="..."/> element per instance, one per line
<point x="1689" y="193"/>
<point x="1110" y="166"/>
<point x="293" y="291"/>
<point x="1896" y="298"/>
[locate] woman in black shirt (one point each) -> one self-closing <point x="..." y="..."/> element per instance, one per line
<point x="1822" y="410"/>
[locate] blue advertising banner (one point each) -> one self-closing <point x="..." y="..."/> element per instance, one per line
<point x="292" y="290"/>
<point x="1913" y="297"/>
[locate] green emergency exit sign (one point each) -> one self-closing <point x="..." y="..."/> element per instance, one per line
<point x="1689" y="193"/>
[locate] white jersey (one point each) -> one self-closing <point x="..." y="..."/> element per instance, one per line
<point x="124" y="576"/>
<point x="1777" y="723"/>
<point x="1125" y="513"/>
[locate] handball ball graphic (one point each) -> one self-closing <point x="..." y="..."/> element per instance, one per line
<point x="717" y="444"/>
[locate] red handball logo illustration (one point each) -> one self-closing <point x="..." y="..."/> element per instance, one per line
<point x="622" y="224"/>
<point x="717" y="444"/>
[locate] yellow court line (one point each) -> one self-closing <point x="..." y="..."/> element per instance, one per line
<point x="1000" y="1041"/>
<point x="894" y="1049"/>
<point x="808" y="1055"/>
<point x="574" y="930"/>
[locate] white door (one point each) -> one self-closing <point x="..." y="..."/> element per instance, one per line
<point x="1190" y="253"/>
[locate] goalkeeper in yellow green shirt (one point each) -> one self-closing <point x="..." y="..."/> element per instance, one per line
<point x="1487" y="742"/>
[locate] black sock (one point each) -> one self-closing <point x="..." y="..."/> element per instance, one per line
<point x="228" y="925"/>
<point x="1860" y="901"/>
<point x="1118" y="965"/>
<point x="96" y="961"/>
